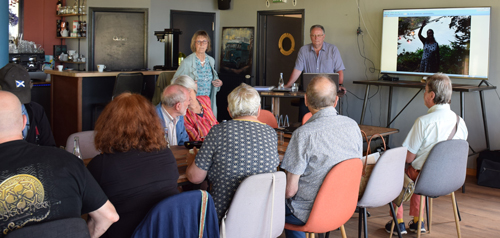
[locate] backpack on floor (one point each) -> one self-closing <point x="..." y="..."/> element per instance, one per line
<point x="488" y="169"/>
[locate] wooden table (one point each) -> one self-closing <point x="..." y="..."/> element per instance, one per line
<point x="276" y="96"/>
<point x="181" y="152"/>
<point x="369" y="130"/>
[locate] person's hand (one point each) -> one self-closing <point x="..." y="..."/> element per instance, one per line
<point x="217" y="83"/>
<point x="288" y="85"/>
<point x="191" y="155"/>
<point x="342" y="91"/>
<point x="424" y="23"/>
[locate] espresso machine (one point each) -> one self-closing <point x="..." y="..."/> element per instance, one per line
<point x="31" y="61"/>
<point x="171" y="39"/>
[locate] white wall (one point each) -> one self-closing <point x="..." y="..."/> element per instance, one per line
<point x="340" y="19"/>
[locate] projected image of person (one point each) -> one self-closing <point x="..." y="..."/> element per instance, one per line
<point x="430" y="57"/>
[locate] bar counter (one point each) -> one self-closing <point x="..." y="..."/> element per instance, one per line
<point x="75" y="94"/>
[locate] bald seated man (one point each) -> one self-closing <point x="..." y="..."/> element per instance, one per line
<point x="175" y="100"/>
<point x="41" y="184"/>
<point x="325" y="140"/>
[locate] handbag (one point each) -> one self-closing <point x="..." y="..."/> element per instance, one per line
<point x="407" y="192"/>
<point x="367" y="168"/>
<point x="409" y="185"/>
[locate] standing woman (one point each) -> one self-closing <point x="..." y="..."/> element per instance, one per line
<point x="430" y="57"/>
<point x="201" y="67"/>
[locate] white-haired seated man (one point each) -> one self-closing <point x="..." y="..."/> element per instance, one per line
<point x="224" y="154"/>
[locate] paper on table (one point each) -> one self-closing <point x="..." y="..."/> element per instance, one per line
<point x="263" y="88"/>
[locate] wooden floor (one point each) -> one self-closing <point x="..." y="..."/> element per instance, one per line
<point x="479" y="207"/>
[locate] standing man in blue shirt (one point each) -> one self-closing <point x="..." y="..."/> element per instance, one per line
<point x="317" y="57"/>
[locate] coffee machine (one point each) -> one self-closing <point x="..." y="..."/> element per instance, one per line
<point x="171" y="39"/>
<point x="31" y="61"/>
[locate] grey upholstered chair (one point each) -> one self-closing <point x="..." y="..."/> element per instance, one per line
<point x="384" y="185"/>
<point x="64" y="228"/>
<point x="86" y="141"/>
<point x="257" y="208"/>
<point x="443" y="173"/>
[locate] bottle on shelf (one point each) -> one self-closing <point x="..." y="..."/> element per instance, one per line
<point x="58" y="7"/>
<point x="76" y="147"/>
<point x="281" y="83"/>
<point x="83" y="8"/>
<point x="75" y="7"/>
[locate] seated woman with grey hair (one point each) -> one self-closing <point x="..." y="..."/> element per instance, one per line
<point x="199" y="117"/>
<point x="235" y="149"/>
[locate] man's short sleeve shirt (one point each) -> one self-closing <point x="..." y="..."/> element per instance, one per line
<point x="324" y="141"/>
<point x="42" y="184"/>
<point x="430" y="129"/>
<point x="328" y="60"/>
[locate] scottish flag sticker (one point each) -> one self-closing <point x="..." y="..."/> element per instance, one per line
<point x="20" y="84"/>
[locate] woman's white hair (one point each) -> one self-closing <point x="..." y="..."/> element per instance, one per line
<point x="243" y="101"/>
<point x="185" y="81"/>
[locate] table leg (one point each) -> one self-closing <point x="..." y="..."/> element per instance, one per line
<point x="389" y="107"/>
<point x="275" y="106"/>
<point x="364" y="105"/>
<point x="462" y="114"/>
<point x="462" y="105"/>
<point x="389" y="110"/>
<point x="485" y="122"/>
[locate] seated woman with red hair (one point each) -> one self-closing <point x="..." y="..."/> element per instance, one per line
<point x="136" y="170"/>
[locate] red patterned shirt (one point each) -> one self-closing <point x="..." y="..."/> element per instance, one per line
<point x="198" y="125"/>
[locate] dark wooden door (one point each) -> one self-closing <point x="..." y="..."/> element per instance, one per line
<point x="189" y="23"/>
<point x="276" y="61"/>
<point x="273" y="26"/>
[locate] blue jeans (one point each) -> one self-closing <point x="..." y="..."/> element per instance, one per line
<point x="291" y="219"/>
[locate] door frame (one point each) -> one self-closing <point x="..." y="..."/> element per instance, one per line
<point x="261" y="46"/>
<point x="210" y="14"/>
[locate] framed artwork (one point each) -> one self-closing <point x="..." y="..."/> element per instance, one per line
<point x="237" y="50"/>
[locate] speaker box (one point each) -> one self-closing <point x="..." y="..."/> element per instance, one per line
<point x="224" y="4"/>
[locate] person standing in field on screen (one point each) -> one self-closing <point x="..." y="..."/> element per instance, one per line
<point x="430" y="57"/>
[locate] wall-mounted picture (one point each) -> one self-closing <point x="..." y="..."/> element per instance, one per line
<point x="434" y="44"/>
<point x="237" y="50"/>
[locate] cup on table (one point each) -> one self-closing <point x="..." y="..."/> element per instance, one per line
<point x="60" y="68"/>
<point x="281" y="137"/>
<point x="101" y="67"/>
<point x="295" y="87"/>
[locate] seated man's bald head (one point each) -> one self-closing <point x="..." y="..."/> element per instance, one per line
<point x="11" y="117"/>
<point x="321" y="92"/>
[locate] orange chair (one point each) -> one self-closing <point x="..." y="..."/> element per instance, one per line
<point x="336" y="200"/>
<point x="268" y="118"/>
<point x="306" y="117"/>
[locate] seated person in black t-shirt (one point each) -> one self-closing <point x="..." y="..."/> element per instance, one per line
<point x="136" y="169"/>
<point x="40" y="184"/>
<point x="15" y="79"/>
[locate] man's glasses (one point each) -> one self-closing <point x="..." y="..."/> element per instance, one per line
<point x="317" y="36"/>
<point x="201" y="42"/>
